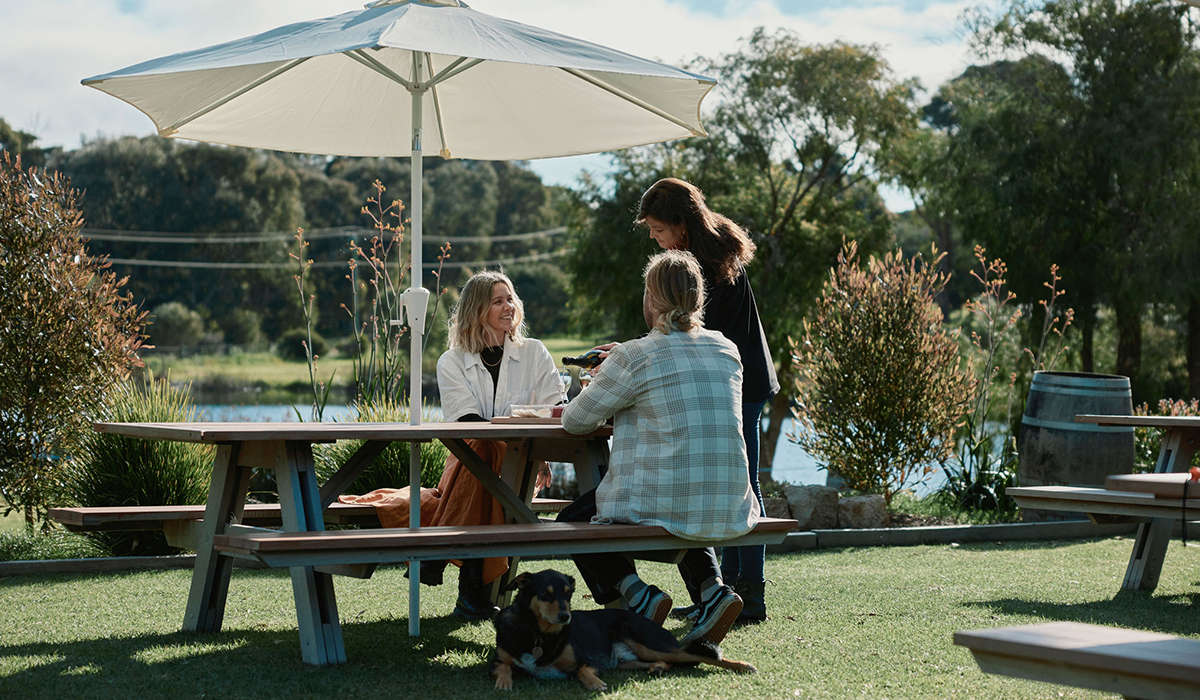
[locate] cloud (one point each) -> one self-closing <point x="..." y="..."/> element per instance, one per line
<point x="48" y="46"/>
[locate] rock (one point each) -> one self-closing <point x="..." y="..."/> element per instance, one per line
<point x="776" y="508"/>
<point x="862" y="511"/>
<point x="815" y="507"/>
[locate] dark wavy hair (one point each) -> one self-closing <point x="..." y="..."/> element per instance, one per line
<point x="721" y="246"/>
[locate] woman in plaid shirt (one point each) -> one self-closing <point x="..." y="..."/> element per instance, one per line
<point x="678" y="458"/>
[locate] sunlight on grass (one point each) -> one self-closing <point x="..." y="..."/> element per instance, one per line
<point x="88" y="670"/>
<point x="12" y="665"/>
<point x="175" y="652"/>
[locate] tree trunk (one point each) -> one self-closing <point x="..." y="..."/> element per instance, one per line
<point x="1087" y="332"/>
<point x="778" y="413"/>
<point x="1193" y="347"/>
<point x="1129" y="346"/>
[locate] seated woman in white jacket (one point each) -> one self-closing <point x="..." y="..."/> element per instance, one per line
<point x="490" y="366"/>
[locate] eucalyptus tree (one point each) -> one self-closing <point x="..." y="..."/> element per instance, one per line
<point x="797" y="140"/>
<point x="1078" y="149"/>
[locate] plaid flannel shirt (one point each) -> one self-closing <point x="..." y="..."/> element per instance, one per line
<point x="678" y="457"/>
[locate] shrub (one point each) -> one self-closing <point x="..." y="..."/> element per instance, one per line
<point x="28" y="546"/>
<point x="244" y="327"/>
<point x="174" y="325"/>
<point x="112" y="470"/>
<point x="291" y="344"/>
<point x="67" y="331"/>
<point x="879" y="383"/>
<point x="1149" y="440"/>
<point x="390" y="469"/>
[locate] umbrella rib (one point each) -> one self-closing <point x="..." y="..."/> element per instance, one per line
<point x="174" y="128"/>
<point x="633" y="100"/>
<point x="375" y="65"/>
<point x="449" y="71"/>
<point x="437" y="103"/>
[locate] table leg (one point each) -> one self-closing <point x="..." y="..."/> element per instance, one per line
<point x="210" y="574"/>
<point x="1150" y="547"/>
<point x="316" y="604"/>
<point x="518" y="475"/>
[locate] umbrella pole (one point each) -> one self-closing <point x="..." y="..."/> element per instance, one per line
<point x="416" y="300"/>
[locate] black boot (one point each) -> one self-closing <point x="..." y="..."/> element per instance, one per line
<point x="474" y="602"/>
<point x="754" y="604"/>
<point x="431" y="572"/>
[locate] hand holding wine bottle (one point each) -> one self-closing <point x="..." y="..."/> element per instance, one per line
<point x="592" y="358"/>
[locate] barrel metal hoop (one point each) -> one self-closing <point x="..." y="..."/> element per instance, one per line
<point x="1079" y="427"/>
<point x="1103" y="393"/>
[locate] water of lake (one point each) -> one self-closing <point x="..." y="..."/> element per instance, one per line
<point x="792" y="464"/>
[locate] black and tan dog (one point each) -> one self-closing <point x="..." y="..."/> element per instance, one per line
<point x="540" y="636"/>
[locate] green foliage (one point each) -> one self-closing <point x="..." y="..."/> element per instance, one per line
<point x="33" y="546"/>
<point x="1080" y="149"/>
<point x="174" y="325"/>
<point x="291" y="345"/>
<point x="243" y="327"/>
<point x="112" y="470"/>
<point x="879" y="388"/>
<point x="68" y="332"/>
<point x="1148" y="441"/>
<point x="391" y="468"/>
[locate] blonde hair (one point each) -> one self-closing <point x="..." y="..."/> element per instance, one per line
<point x="675" y="291"/>
<point x="468" y="322"/>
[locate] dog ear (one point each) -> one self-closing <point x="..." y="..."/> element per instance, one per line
<point x="517" y="582"/>
<point x="572" y="580"/>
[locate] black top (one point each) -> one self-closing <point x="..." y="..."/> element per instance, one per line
<point x="491" y="361"/>
<point x="730" y="309"/>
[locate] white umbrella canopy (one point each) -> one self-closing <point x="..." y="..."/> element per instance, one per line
<point x="344" y="85"/>
<point x="356" y="85"/>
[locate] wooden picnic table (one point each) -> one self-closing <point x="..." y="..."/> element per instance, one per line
<point x="312" y="555"/>
<point x="1156" y="499"/>
<point x="286" y="448"/>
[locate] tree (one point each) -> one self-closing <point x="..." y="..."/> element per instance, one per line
<point x="1080" y="151"/>
<point x="69" y="331"/>
<point x="793" y="155"/>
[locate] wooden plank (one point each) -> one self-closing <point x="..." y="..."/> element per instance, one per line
<point x="452" y="535"/>
<point x="1188" y="422"/>
<point x="1161" y="485"/>
<point x="1093" y="500"/>
<point x="205" y="610"/>
<point x="1134" y="663"/>
<point x="327" y="432"/>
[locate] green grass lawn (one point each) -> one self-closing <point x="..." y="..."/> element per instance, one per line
<point x="871" y="622"/>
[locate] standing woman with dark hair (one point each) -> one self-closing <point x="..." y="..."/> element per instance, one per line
<point x="678" y="218"/>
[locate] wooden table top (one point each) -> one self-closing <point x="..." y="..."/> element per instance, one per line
<point x="329" y="432"/>
<point x="1192" y="422"/>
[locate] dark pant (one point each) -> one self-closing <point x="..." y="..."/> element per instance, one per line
<point x="603" y="571"/>
<point x="746" y="563"/>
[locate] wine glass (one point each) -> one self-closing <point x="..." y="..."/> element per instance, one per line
<point x="585" y="377"/>
<point x="564" y="378"/>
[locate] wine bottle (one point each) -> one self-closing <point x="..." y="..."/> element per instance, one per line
<point x="588" y="360"/>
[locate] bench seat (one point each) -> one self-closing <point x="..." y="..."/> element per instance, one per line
<point x="258" y="514"/>
<point x="384" y="545"/>
<point x="1096" y="501"/>
<point x="1144" y="665"/>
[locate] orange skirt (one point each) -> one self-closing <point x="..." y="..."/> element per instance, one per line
<point x="459" y="499"/>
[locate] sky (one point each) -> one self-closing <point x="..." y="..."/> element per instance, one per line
<point x="48" y="46"/>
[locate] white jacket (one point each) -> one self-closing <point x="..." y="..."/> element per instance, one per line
<point x="527" y="375"/>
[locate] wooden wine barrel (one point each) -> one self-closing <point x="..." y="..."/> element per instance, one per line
<point x="1055" y="450"/>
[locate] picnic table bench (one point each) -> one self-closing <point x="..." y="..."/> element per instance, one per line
<point x="230" y="528"/>
<point x="1142" y="665"/>
<point x="1155" y="500"/>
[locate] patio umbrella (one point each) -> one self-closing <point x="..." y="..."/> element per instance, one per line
<point x="365" y="83"/>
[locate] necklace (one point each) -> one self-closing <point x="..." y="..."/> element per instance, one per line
<point x="492" y="364"/>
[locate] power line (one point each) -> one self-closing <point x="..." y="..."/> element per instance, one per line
<point x="536" y="257"/>
<point x="96" y="234"/>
